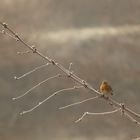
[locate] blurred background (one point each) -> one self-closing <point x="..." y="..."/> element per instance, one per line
<point x="101" y="39"/>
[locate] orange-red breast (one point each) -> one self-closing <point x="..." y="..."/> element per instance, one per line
<point x="106" y="89"/>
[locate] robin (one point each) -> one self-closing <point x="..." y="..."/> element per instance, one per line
<point x="106" y="89"/>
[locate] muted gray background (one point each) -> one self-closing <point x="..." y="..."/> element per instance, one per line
<point x="100" y="37"/>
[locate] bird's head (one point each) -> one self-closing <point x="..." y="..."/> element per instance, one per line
<point x="105" y="82"/>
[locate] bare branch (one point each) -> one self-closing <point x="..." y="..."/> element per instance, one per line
<point x="132" y="112"/>
<point x="132" y="119"/>
<point x="77" y="103"/>
<point x="70" y="74"/>
<point x="42" y="82"/>
<point x="55" y="93"/>
<point x="23" y="53"/>
<point x="35" y="69"/>
<point x="102" y="113"/>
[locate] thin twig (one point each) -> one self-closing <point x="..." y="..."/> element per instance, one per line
<point x="132" y="112"/>
<point x="42" y="82"/>
<point x="70" y="66"/>
<point x="77" y="103"/>
<point x="23" y="53"/>
<point x="102" y="113"/>
<point x="132" y="119"/>
<point x="55" y="93"/>
<point x="8" y="34"/>
<point x="35" y="69"/>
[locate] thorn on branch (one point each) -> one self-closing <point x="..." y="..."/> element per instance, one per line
<point x="8" y="34"/>
<point x="84" y="83"/>
<point x="3" y="31"/>
<point x="5" y="25"/>
<point x="34" y="49"/>
<point x="52" y="61"/>
<point x="16" y="36"/>
<point x="70" y="74"/>
<point x="122" y="108"/>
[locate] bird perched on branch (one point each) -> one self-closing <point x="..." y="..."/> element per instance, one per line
<point x="106" y="89"/>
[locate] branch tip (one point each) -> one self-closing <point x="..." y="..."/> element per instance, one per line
<point x="13" y="99"/>
<point x="22" y="113"/>
<point x="70" y="65"/>
<point x="15" y="78"/>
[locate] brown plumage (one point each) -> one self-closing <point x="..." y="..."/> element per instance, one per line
<point x="106" y="89"/>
